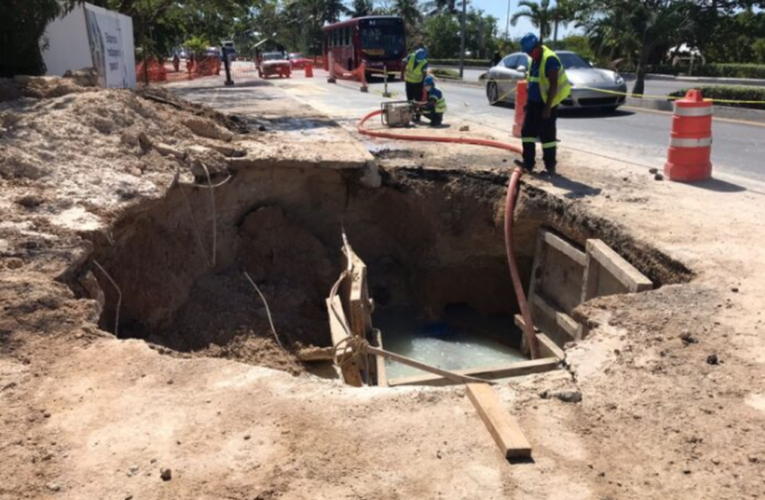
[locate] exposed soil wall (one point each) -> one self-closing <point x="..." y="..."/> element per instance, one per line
<point x="431" y="238"/>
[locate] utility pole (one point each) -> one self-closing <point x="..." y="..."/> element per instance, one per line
<point x="462" y="38"/>
<point x="507" y="26"/>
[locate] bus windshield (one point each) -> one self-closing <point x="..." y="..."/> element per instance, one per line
<point x="382" y="38"/>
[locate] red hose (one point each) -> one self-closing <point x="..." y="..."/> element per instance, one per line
<point x="531" y="337"/>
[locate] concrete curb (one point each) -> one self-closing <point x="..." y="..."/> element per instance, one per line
<point x="707" y="80"/>
<point x="728" y="112"/>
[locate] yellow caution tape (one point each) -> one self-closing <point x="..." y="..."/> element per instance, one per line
<point x="667" y="97"/>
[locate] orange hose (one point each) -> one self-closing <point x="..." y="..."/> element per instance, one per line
<point x="531" y="336"/>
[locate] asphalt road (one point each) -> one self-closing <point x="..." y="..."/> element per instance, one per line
<point x="635" y="136"/>
<point x="652" y="87"/>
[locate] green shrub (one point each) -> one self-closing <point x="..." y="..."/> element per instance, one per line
<point x="719" y="70"/>
<point x="446" y="73"/>
<point x="483" y="63"/>
<point x="731" y="93"/>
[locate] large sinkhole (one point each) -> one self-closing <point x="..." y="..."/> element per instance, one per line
<point x="432" y="240"/>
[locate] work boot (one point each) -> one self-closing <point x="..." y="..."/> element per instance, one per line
<point x="551" y="169"/>
<point x="526" y="168"/>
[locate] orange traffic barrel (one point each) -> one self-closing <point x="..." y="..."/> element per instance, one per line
<point x="308" y="70"/>
<point x="520" y="106"/>
<point x="690" y="143"/>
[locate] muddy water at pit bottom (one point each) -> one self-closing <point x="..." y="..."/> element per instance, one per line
<point x="463" y="339"/>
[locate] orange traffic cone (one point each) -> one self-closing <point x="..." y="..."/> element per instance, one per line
<point x="690" y="144"/>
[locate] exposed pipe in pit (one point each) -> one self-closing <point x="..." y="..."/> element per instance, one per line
<point x="512" y="189"/>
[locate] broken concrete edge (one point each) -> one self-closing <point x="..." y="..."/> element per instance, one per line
<point x="367" y="168"/>
<point x="489" y="373"/>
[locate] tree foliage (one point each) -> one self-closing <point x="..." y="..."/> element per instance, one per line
<point x="22" y="24"/>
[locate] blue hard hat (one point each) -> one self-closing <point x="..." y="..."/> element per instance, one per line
<point x="429" y="80"/>
<point x="528" y="42"/>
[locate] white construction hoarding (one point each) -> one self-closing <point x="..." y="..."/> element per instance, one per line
<point x="90" y="36"/>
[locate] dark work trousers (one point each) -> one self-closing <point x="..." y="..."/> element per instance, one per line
<point x="534" y="126"/>
<point x="433" y="117"/>
<point x="414" y="93"/>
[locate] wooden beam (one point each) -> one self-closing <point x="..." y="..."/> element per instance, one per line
<point x="547" y="347"/>
<point x="564" y="247"/>
<point x="339" y="329"/>
<point x="502" y="426"/>
<point x="615" y="264"/>
<point x="563" y="320"/>
<point x="382" y="377"/>
<point x="518" y="369"/>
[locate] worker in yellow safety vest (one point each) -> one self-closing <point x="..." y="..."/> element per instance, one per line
<point x="434" y="106"/>
<point x="415" y="72"/>
<point x="547" y="87"/>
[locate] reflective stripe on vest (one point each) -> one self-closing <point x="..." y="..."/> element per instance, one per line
<point x="564" y="86"/>
<point x="414" y="73"/>
<point x="441" y="105"/>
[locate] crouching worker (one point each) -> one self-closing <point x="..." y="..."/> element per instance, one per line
<point x="434" y="108"/>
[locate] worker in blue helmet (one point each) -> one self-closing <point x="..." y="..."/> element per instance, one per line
<point x="434" y="106"/>
<point x="548" y="86"/>
<point x="416" y="70"/>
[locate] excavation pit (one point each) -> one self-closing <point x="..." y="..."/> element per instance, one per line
<point x="432" y="241"/>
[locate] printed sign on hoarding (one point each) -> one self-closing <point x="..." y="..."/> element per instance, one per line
<point x="111" y="47"/>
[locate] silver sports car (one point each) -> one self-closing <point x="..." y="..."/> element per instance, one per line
<point x="501" y="81"/>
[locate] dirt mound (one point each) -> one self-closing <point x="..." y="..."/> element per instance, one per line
<point x="73" y="162"/>
<point x="45" y="87"/>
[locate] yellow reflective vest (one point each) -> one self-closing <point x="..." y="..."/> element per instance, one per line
<point x="414" y="72"/>
<point x="564" y="86"/>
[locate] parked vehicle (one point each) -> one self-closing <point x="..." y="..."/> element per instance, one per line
<point x="502" y="79"/>
<point x="274" y="63"/>
<point x="297" y="61"/>
<point x="377" y="41"/>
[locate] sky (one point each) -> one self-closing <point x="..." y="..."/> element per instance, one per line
<point x="498" y="9"/>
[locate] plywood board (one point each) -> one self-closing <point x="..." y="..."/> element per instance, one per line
<point x="488" y="373"/>
<point x="501" y="425"/>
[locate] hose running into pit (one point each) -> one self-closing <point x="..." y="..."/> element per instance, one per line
<point x="512" y="189"/>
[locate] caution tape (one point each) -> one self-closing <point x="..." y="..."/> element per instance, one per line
<point x="667" y="97"/>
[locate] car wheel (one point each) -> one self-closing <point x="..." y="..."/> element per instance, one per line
<point x="492" y="93"/>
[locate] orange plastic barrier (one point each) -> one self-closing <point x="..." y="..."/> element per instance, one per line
<point x="155" y="70"/>
<point x="690" y="143"/>
<point x="308" y="70"/>
<point x="520" y="106"/>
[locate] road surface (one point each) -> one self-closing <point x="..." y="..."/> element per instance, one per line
<point x="635" y="136"/>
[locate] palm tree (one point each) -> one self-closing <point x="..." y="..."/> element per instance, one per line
<point x="409" y="10"/>
<point x="540" y="14"/>
<point x="563" y="13"/>
<point x="333" y="9"/>
<point x="435" y="7"/>
<point x="362" y="8"/>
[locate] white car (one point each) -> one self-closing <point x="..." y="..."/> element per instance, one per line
<point x="501" y="81"/>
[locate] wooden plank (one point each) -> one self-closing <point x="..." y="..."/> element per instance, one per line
<point x="548" y="348"/>
<point x="501" y="425"/>
<point x="564" y="247"/>
<point x="518" y="369"/>
<point x="591" y="277"/>
<point x="563" y="320"/>
<point x="382" y="376"/>
<point x="615" y="264"/>
<point x="339" y="329"/>
<point x="360" y="313"/>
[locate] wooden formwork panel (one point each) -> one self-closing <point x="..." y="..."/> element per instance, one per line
<point x="564" y="276"/>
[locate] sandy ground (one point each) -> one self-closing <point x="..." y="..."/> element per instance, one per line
<point x="88" y="416"/>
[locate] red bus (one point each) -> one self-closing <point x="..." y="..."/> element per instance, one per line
<point x="378" y="41"/>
